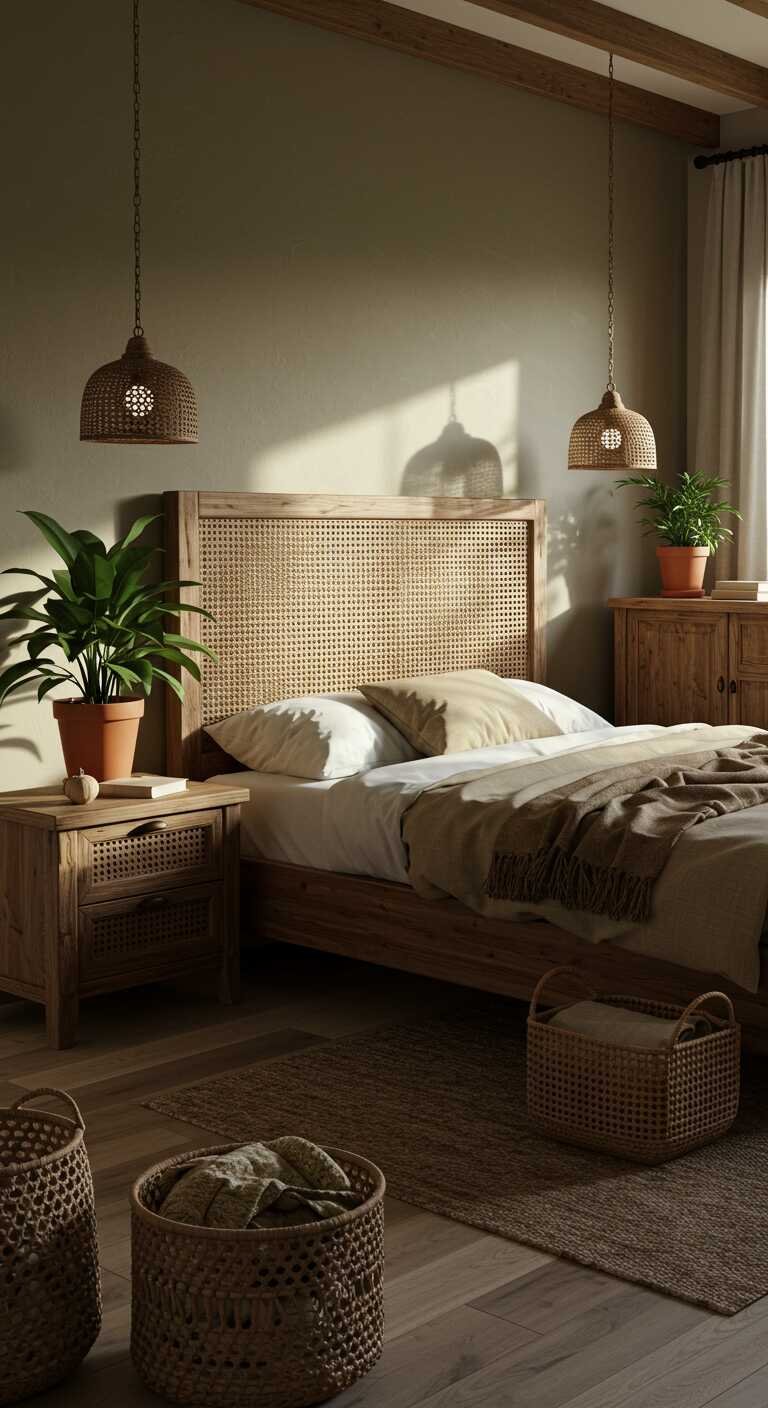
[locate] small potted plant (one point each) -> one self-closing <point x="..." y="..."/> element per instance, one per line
<point x="686" y="518"/>
<point x="99" y="625"/>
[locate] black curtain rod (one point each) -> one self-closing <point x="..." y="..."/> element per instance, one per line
<point x="718" y="158"/>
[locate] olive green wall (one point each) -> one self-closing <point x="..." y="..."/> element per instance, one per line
<point x="333" y="235"/>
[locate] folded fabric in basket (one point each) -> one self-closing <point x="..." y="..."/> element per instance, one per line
<point x="280" y="1184"/>
<point x="620" y="1026"/>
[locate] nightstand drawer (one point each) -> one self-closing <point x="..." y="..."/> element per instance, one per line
<point x="127" y="858"/>
<point x="146" y="935"/>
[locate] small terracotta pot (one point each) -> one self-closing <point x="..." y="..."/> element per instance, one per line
<point x="99" y="738"/>
<point x="682" y="570"/>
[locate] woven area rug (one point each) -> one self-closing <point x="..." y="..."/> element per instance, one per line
<point x="441" y="1108"/>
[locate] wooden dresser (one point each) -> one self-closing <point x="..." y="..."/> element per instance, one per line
<point x="117" y="893"/>
<point x="678" y="661"/>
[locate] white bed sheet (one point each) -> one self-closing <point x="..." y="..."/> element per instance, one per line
<point x="352" y="824"/>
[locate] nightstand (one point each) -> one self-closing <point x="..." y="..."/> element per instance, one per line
<point x="117" y="893"/>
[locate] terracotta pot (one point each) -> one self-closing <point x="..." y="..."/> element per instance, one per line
<point x="682" y="570"/>
<point x="99" y="738"/>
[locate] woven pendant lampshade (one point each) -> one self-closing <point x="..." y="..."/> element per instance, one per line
<point x="611" y="437"/>
<point x="138" y="400"/>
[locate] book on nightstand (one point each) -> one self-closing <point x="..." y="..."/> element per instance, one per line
<point x="142" y="784"/>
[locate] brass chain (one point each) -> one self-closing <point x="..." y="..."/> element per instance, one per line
<point x="611" y="138"/>
<point x="138" y="330"/>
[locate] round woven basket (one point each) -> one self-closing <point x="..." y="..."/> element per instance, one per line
<point x="50" y="1294"/>
<point x="274" y="1318"/>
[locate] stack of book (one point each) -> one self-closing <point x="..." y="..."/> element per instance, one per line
<point x="726" y="590"/>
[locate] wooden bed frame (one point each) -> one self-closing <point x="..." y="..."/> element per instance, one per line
<point x="316" y="593"/>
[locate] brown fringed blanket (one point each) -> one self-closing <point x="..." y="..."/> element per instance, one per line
<point x="659" y="842"/>
<point x="601" y="845"/>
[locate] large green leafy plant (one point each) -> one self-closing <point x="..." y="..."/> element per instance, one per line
<point x="102" y="616"/>
<point x="684" y="515"/>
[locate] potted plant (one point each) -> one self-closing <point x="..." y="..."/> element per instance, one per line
<point x="686" y="518"/>
<point x="101" y="626"/>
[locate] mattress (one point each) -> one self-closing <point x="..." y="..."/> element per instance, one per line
<point x="352" y="824"/>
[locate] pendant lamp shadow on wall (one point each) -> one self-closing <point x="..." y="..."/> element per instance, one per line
<point x="612" y="437"/>
<point x="455" y="464"/>
<point x="138" y="400"/>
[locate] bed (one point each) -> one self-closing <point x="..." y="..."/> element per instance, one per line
<point x="315" y="593"/>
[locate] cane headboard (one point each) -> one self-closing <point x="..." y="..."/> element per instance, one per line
<point x="317" y="593"/>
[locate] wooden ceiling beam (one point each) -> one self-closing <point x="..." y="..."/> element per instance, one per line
<point x="603" y="27"/>
<point x="423" y="37"/>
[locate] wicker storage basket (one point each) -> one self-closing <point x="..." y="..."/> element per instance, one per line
<point x="645" y="1105"/>
<point x="50" y="1294"/>
<point x="275" y="1318"/>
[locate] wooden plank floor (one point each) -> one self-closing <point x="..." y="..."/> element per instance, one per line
<point x="471" y="1319"/>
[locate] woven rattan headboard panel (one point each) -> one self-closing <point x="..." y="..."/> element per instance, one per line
<point x="313" y="593"/>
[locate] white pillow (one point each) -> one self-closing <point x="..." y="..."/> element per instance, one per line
<point x="318" y="736"/>
<point x="567" y="713"/>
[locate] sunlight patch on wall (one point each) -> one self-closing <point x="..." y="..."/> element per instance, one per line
<point x="558" y="596"/>
<point x="407" y="447"/>
<point x="582" y="551"/>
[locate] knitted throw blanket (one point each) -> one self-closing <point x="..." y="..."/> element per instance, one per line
<point x="599" y="845"/>
<point x="284" y="1183"/>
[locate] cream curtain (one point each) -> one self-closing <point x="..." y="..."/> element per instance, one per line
<point x="732" y="420"/>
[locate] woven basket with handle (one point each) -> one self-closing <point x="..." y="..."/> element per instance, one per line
<point x="50" y="1294"/>
<point x="645" y="1105"/>
<point x="280" y="1317"/>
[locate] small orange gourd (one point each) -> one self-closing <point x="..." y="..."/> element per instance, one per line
<point x="81" y="789"/>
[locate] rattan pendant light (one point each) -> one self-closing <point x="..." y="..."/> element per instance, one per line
<point x="138" y="400"/>
<point x="611" y="437"/>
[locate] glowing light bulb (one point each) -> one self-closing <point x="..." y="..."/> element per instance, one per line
<point x="139" y="400"/>
<point x="611" y="438"/>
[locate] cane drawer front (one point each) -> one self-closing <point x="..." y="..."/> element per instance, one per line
<point x="149" y="934"/>
<point x="128" y="858"/>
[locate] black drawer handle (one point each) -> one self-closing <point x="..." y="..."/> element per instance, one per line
<point x="720" y="685"/>
<point x="733" y="686"/>
<point x="153" y="902"/>
<point x="147" y="827"/>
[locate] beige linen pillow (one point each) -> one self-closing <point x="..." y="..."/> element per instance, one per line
<point x="454" y="712"/>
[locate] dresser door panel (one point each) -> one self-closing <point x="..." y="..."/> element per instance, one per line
<point x="749" y="704"/>
<point x="749" y="645"/>
<point x="748" y="679"/>
<point x="678" y="668"/>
